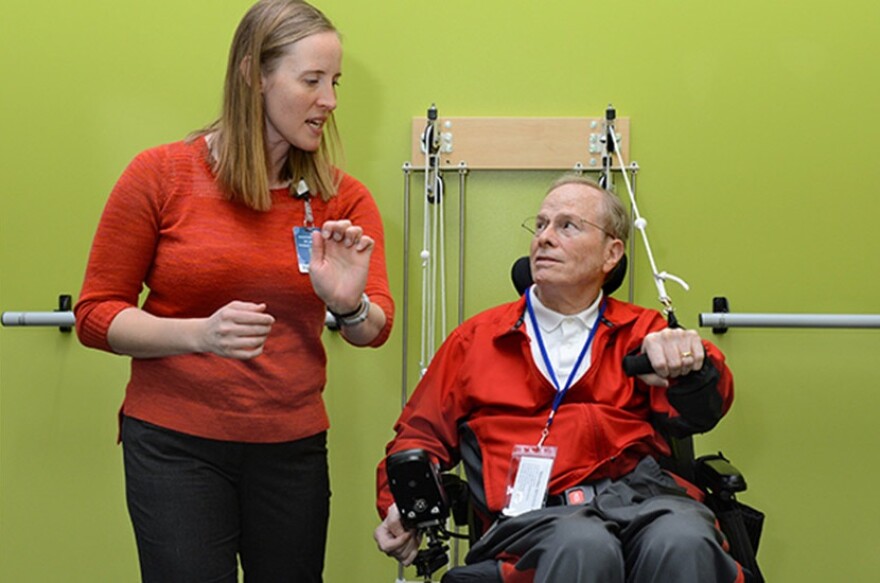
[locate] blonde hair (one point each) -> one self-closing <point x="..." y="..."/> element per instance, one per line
<point x="263" y="37"/>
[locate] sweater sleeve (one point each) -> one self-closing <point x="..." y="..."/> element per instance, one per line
<point x="122" y="250"/>
<point x="356" y="204"/>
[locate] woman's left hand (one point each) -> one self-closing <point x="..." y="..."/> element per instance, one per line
<point x="339" y="265"/>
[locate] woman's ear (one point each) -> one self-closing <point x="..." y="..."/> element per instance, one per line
<point x="245" y="68"/>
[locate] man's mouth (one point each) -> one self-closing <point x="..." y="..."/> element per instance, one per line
<point x="544" y="260"/>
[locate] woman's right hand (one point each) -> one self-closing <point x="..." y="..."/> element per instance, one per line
<point x="237" y="330"/>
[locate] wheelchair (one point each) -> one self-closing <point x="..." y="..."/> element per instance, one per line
<point x="718" y="480"/>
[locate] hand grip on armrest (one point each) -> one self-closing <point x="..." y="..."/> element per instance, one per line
<point x="636" y="364"/>
<point x="716" y="473"/>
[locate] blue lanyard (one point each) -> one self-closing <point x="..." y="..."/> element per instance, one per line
<point x="560" y="394"/>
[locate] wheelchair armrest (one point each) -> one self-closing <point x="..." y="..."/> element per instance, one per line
<point x="457" y="495"/>
<point x="718" y="475"/>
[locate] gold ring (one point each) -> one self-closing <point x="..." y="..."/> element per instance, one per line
<point x="686" y="354"/>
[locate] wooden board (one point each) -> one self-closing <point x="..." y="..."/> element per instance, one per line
<point x="521" y="143"/>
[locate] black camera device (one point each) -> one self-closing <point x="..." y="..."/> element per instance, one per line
<point x="421" y="499"/>
<point x="415" y="485"/>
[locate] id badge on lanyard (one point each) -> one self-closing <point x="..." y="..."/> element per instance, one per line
<point x="302" y="236"/>
<point x="531" y="465"/>
<point x="528" y="477"/>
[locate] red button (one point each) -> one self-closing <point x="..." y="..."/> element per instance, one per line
<point x="576" y="497"/>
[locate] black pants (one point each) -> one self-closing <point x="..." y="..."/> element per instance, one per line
<point x="197" y="505"/>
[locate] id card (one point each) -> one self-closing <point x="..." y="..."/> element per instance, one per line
<point x="302" y="238"/>
<point x="530" y="467"/>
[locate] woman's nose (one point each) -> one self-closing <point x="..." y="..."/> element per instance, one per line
<point x="327" y="99"/>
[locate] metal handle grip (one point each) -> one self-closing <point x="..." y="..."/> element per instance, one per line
<point x="62" y="318"/>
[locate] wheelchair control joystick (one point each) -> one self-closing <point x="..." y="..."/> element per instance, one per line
<point x="418" y="492"/>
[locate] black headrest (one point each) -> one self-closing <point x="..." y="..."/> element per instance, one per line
<point x="521" y="274"/>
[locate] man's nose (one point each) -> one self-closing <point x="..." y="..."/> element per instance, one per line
<point x="547" y="236"/>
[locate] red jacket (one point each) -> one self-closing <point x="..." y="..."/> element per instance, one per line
<point x="483" y="394"/>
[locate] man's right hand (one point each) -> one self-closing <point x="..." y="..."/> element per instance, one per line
<point x="395" y="540"/>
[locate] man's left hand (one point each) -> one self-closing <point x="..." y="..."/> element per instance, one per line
<point x="673" y="352"/>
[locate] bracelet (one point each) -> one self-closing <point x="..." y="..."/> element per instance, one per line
<point x="355" y="317"/>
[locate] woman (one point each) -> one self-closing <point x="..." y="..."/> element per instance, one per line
<point x="244" y="234"/>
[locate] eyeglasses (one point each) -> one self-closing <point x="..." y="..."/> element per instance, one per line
<point x="566" y="225"/>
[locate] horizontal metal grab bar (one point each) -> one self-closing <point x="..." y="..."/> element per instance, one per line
<point x="723" y="320"/>
<point x="59" y="319"/>
<point x="63" y="317"/>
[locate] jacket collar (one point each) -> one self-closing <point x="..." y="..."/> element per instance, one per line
<point x="512" y="320"/>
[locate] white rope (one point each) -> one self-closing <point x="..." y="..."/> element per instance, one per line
<point x="425" y="255"/>
<point x="432" y="326"/>
<point x="433" y="253"/>
<point x="440" y="201"/>
<point x="641" y="224"/>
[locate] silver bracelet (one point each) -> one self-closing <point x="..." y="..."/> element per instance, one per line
<point x="356" y="317"/>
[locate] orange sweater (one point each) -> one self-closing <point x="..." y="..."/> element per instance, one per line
<point x="168" y="226"/>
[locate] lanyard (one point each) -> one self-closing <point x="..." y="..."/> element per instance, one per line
<point x="309" y="220"/>
<point x="302" y="192"/>
<point x="560" y="393"/>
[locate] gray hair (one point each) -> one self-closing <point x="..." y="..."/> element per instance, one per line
<point x="615" y="219"/>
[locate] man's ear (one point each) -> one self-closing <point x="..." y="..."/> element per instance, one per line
<point x="614" y="250"/>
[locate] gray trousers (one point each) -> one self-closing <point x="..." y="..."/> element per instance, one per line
<point x="639" y="529"/>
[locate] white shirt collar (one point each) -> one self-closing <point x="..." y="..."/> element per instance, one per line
<point x="549" y="319"/>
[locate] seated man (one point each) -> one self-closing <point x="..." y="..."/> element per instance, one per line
<point x="538" y="382"/>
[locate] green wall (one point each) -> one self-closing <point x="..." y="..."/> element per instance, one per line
<point x="755" y="126"/>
